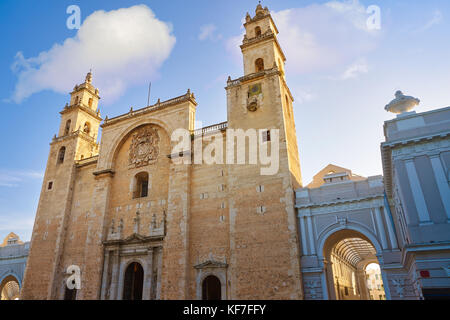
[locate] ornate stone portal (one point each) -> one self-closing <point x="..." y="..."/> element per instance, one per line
<point x="144" y="148"/>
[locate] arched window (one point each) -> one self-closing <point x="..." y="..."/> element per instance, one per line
<point x="87" y="128"/>
<point x="90" y="102"/>
<point x="259" y="65"/>
<point x="61" y="154"/>
<point x="140" y="185"/>
<point x="211" y="288"/>
<point x="257" y="31"/>
<point x="67" y="129"/>
<point x="133" y="282"/>
<point x="77" y="100"/>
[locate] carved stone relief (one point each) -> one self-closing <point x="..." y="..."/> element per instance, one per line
<point x="144" y="148"/>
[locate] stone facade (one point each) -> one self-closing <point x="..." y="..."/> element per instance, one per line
<point x="107" y="207"/>
<point x="142" y="208"/>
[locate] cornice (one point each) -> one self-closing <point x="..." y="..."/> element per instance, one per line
<point x="188" y="97"/>
<point x="340" y="205"/>
<point x="252" y="77"/>
<point x="81" y="107"/>
<point x="262" y="38"/>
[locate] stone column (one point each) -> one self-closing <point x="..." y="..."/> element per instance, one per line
<point x="362" y="284"/>
<point x="328" y="273"/>
<point x="159" y="274"/>
<point x="115" y="275"/>
<point x="148" y="276"/>
<point x="442" y="183"/>
<point x="105" y="275"/>
<point x="311" y="235"/>
<point x="303" y="234"/>
<point x="380" y="227"/>
<point x="417" y="193"/>
<point x="390" y="227"/>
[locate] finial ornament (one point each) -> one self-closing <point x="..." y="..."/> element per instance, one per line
<point x="401" y="103"/>
<point x="89" y="77"/>
<point x="259" y="9"/>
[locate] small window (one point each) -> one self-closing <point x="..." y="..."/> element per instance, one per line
<point x="50" y="185"/>
<point x="90" y="102"/>
<point x="61" y="154"/>
<point x="77" y="100"/>
<point x="259" y="65"/>
<point x="141" y="185"/>
<point x="257" y="31"/>
<point x="266" y="136"/>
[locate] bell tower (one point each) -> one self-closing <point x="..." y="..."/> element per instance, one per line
<point x="262" y="214"/>
<point x="261" y="99"/>
<point x="82" y="117"/>
<point x="260" y="47"/>
<point x="76" y="140"/>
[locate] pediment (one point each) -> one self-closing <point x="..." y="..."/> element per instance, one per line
<point x="211" y="264"/>
<point x="133" y="239"/>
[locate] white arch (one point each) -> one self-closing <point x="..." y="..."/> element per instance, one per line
<point x="350" y="226"/>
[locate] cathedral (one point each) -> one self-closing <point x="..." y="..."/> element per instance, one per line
<point x="139" y="225"/>
<point x="139" y="217"/>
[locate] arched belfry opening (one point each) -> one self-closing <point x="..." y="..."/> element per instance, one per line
<point x="67" y="128"/>
<point x="133" y="282"/>
<point x="61" y="154"/>
<point x="347" y="254"/>
<point x="211" y="288"/>
<point x="259" y="65"/>
<point x="258" y="31"/>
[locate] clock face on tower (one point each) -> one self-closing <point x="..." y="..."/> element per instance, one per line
<point x="254" y="89"/>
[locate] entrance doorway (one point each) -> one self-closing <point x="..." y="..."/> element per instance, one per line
<point x="134" y="282"/>
<point x="211" y="288"/>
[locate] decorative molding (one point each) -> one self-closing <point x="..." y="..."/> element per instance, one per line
<point x="340" y="205"/>
<point x="422" y="148"/>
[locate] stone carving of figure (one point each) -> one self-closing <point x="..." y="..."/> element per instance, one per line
<point x="153" y="224"/>
<point x="120" y="228"/>
<point x="112" y="228"/>
<point x="137" y="221"/>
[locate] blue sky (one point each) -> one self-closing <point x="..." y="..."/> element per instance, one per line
<point x="340" y="73"/>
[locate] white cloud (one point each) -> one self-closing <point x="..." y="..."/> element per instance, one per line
<point x="355" y="69"/>
<point x="321" y="37"/>
<point x="11" y="179"/>
<point x="302" y="95"/>
<point x="208" y="31"/>
<point x="124" y="47"/>
<point x="435" y="20"/>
